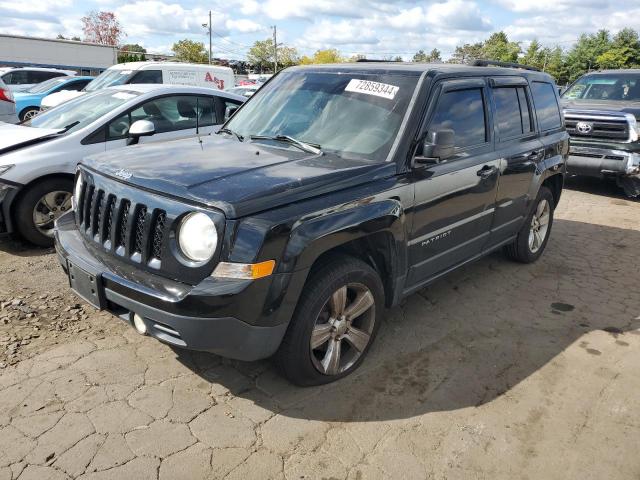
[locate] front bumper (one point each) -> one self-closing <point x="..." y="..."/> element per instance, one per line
<point x="173" y="313"/>
<point x="602" y="162"/>
<point x="9" y="118"/>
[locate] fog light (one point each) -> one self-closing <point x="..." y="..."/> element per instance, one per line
<point x="138" y="322"/>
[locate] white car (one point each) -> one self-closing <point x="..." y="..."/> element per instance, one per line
<point x="171" y="73"/>
<point x="38" y="158"/>
<point x="19" y="79"/>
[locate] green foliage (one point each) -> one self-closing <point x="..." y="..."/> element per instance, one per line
<point x="189" y="51"/>
<point x="467" y="52"/>
<point x="323" y="56"/>
<point x="434" y="56"/>
<point x="498" y="47"/>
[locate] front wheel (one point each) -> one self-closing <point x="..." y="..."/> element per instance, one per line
<point x="334" y="324"/>
<point x="534" y="234"/>
<point x="38" y="208"/>
<point x="29" y="113"/>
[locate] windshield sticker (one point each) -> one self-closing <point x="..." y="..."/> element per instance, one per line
<point x="367" y="87"/>
<point x="123" y="95"/>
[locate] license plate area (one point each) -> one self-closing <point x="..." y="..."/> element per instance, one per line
<point x="86" y="285"/>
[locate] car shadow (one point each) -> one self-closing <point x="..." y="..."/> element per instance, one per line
<point x="469" y="338"/>
<point x="14" y="245"/>
<point x="606" y="187"/>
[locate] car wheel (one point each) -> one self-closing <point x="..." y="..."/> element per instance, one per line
<point x="334" y="324"/>
<point x="29" y="113"/>
<point x="38" y="208"/>
<point x="534" y="234"/>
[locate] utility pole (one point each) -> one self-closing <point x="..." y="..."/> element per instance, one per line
<point x="275" y="51"/>
<point x="210" y="27"/>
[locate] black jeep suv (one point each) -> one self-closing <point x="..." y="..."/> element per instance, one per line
<point x="334" y="192"/>
<point x="602" y="111"/>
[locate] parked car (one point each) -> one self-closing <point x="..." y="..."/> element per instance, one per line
<point x="19" y="79"/>
<point x="39" y="157"/>
<point x="28" y="102"/>
<point x="601" y="111"/>
<point x="7" y="105"/>
<point x="171" y="73"/>
<point x="245" y="91"/>
<point x="334" y="192"/>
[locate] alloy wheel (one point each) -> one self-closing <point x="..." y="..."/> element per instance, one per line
<point x="343" y="329"/>
<point x="539" y="226"/>
<point x="48" y="209"/>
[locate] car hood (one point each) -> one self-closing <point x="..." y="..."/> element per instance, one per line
<point x="603" y="105"/>
<point x="13" y="137"/>
<point x="239" y="178"/>
<point x="59" y="97"/>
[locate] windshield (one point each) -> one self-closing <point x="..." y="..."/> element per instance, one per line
<point x="108" y="78"/>
<point x="47" y="85"/>
<point x="351" y="114"/>
<point x="622" y="86"/>
<point x="81" y="111"/>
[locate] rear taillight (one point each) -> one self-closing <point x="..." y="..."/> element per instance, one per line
<point x="6" y="95"/>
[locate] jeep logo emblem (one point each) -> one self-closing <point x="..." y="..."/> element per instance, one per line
<point x="584" y="127"/>
<point x="124" y="174"/>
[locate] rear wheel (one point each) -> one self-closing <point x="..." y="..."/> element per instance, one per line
<point x="38" y="208"/>
<point x="29" y="113"/>
<point x="336" y="320"/>
<point x="534" y="234"/>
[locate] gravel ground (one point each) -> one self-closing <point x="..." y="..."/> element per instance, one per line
<point x="498" y="371"/>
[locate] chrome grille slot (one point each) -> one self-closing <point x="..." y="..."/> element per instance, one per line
<point x="96" y="213"/>
<point x="88" y="201"/>
<point x="123" y="224"/>
<point x="141" y="216"/>
<point x="110" y="208"/>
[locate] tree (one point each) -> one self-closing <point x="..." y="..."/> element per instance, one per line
<point x="623" y="52"/>
<point x="584" y="54"/>
<point x="190" y="51"/>
<point x="260" y="55"/>
<point x="498" y="47"/>
<point x="132" y="52"/>
<point x="419" y="57"/>
<point x="466" y="53"/>
<point x="330" y="55"/>
<point x="287" y="56"/>
<point x="102" y="27"/>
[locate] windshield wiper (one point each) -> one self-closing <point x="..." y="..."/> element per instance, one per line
<point x="69" y="127"/>
<point x="304" y="146"/>
<point x="231" y="132"/>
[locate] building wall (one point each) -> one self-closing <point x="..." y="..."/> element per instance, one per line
<point x="86" y="58"/>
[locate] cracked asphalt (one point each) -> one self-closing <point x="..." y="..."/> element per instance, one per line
<point x="498" y="371"/>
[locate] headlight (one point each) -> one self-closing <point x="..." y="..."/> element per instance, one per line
<point x="5" y="168"/>
<point x="77" y="190"/>
<point x="198" y="237"/>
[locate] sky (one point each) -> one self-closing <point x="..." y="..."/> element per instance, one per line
<point x="374" y="28"/>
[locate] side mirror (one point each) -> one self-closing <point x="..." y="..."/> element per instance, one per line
<point x="437" y="146"/>
<point x="229" y="111"/>
<point x="140" y="128"/>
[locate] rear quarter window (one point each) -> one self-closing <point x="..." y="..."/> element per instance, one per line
<point x="547" y="109"/>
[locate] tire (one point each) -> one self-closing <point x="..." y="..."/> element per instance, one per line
<point x="521" y="250"/>
<point x="30" y="199"/>
<point x="296" y="359"/>
<point x="28" y="113"/>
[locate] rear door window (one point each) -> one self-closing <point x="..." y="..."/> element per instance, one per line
<point x="512" y="112"/>
<point x="547" y="109"/>
<point x="462" y="111"/>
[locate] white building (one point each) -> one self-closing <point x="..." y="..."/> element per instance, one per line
<point x="85" y="58"/>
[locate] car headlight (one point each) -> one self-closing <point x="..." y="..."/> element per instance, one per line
<point x="5" y="168"/>
<point x="197" y="237"/>
<point x="77" y="190"/>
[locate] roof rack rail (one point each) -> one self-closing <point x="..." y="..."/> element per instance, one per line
<point x="496" y="63"/>
<point x="375" y="61"/>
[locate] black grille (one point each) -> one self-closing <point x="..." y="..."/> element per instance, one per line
<point x="111" y="206"/>
<point x="135" y="227"/>
<point x="139" y="229"/>
<point x="158" y="234"/>
<point x="602" y="127"/>
<point x="124" y="220"/>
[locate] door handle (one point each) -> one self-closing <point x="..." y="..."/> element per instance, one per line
<point x="534" y="155"/>
<point x="487" y="171"/>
